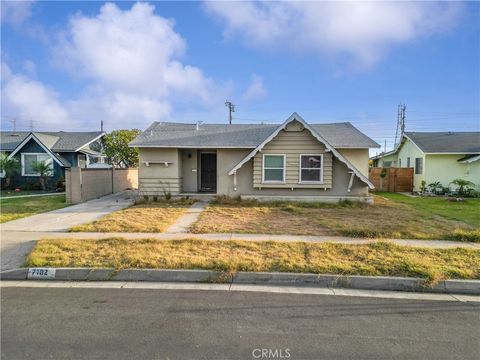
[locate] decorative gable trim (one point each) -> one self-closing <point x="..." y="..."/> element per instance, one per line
<point x="26" y="140"/>
<point x="296" y="117"/>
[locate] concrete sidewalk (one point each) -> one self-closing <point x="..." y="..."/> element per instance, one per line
<point x="19" y="236"/>
<point x="183" y="224"/>
<point x="437" y="244"/>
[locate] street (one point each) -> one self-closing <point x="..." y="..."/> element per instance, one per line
<point x="96" y="323"/>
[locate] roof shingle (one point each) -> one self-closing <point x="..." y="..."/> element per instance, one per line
<point x="446" y="142"/>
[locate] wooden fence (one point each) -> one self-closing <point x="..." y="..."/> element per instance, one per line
<point x="395" y="180"/>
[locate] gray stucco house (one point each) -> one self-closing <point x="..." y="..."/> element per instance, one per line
<point x="292" y="161"/>
<point x="59" y="149"/>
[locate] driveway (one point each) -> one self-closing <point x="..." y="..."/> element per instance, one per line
<point x="19" y="236"/>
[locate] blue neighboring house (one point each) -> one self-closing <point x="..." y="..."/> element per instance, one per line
<point x="58" y="149"/>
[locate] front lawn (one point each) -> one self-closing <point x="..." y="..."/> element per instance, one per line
<point x="8" y="193"/>
<point x="376" y="259"/>
<point x="150" y="217"/>
<point x="11" y="209"/>
<point x="387" y="218"/>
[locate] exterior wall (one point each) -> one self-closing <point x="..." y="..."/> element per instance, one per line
<point x="358" y="158"/>
<point x="32" y="147"/>
<point x="85" y="184"/>
<point x="293" y="143"/>
<point x="445" y="168"/>
<point x="408" y="149"/>
<point x="190" y="170"/>
<point x="228" y="158"/>
<point x="157" y="178"/>
<point x="386" y="161"/>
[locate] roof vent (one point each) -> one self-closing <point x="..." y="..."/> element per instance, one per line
<point x="198" y="125"/>
<point x="150" y="133"/>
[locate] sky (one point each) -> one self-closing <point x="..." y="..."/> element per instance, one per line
<point x="69" y="65"/>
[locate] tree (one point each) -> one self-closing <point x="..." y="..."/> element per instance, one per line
<point x="44" y="170"/>
<point x="117" y="150"/>
<point x="8" y="166"/>
<point x="463" y="185"/>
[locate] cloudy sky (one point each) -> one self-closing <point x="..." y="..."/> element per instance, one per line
<point x="68" y="65"/>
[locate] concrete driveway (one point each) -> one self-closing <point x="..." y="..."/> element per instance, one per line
<point x="19" y="236"/>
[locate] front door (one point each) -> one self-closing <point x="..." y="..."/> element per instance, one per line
<point x="208" y="171"/>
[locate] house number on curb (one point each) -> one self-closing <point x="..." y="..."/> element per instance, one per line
<point x="41" y="273"/>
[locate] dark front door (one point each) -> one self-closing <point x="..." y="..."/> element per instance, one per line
<point x="208" y="172"/>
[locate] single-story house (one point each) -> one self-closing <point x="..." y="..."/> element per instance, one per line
<point x="294" y="160"/>
<point x="436" y="156"/>
<point x="59" y="149"/>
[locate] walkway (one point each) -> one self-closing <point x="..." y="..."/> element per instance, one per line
<point x="184" y="222"/>
<point x="19" y="236"/>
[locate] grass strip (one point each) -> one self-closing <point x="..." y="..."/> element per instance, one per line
<point x="375" y="259"/>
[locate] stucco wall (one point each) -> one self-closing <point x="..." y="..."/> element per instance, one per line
<point x="156" y="178"/>
<point x="358" y="158"/>
<point x="190" y="169"/>
<point x="408" y="149"/>
<point x="445" y="168"/>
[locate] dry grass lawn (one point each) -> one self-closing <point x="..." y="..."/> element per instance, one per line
<point x="149" y="218"/>
<point x="378" y="258"/>
<point x="385" y="219"/>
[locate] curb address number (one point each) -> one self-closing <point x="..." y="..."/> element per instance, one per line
<point x="41" y="273"/>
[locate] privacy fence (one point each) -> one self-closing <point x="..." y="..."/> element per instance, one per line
<point x="395" y="179"/>
<point x="86" y="184"/>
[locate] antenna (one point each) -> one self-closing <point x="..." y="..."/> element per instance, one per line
<point x="400" y="124"/>
<point x="231" y="108"/>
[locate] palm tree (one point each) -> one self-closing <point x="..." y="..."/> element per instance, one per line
<point x="9" y="167"/>
<point x="462" y="185"/>
<point x="44" y="170"/>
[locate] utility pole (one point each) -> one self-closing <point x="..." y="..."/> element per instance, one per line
<point x="400" y="124"/>
<point x="101" y="125"/>
<point x="231" y="108"/>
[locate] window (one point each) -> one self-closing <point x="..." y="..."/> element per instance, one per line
<point x="399" y="162"/>
<point x="274" y="168"/>
<point x="30" y="159"/>
<point x="311" y="169"/>
<point x="418" y="166"/>
<point x="408" y="162"/>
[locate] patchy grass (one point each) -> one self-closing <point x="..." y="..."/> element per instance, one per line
<point x="5" y="193"/>
<point x="385" y="219"/>
<point x="374" y="259"/>
<point x="465" y="211"/>
<point x="147" y="217"/>
<point x="12" y="209"/>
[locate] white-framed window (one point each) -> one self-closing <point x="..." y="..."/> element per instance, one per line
<point x="30" y="159"/>
<point x="311" y="168"/>
<point x="273" y="168"/>
<point x="418" y="165"/>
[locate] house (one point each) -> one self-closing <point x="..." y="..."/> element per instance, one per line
<point x="59" y="149"/>
<point x="292" y="160"/>
<point x="436" y="156"/>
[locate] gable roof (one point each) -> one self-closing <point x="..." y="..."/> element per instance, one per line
<point x="181" y="135"/>
<point x="296" y="117"/>
<point x="59" y="141"/>
<point x="446" y="142"/>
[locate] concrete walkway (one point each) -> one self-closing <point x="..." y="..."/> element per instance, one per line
<point x="184" y="222"/>
<point x="19" y="236"/>
<point x="31" y="195"/>
<point x="436" y="244"/>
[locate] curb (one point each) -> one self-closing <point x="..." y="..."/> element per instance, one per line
<point x="471" y="287"/>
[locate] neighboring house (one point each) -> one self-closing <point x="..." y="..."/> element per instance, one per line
<point x="293" y="160"/>
<point x="436" y="156"/>
<point x="59" y="149"/>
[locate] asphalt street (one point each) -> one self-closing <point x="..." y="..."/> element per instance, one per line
<point x="82" y="323"/>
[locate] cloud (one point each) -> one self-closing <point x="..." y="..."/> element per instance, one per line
<point x="364" y="31"/>
<point x="132" y="63"/>
<point x="27" y="99"/>
<point x="256" y="90"/>
<point x="16" y="12"/>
